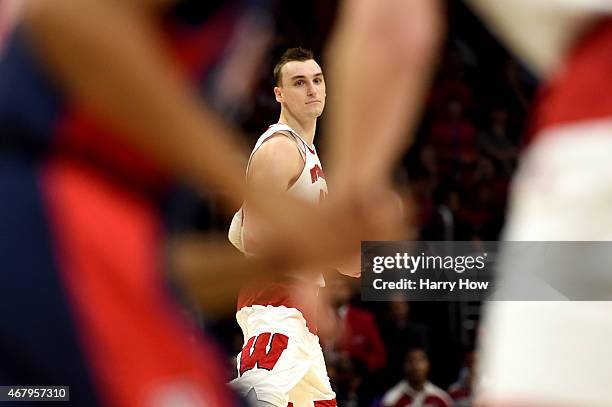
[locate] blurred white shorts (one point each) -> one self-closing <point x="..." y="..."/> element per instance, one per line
<point x="556" y="353"/>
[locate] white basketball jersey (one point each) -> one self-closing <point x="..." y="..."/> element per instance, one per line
<point x="309" y="186"/>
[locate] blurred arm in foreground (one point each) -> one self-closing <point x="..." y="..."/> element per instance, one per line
<point x="380" y="61"/>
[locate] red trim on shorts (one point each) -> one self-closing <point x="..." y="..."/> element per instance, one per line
<point x="287" y="294"/>
<point x="321" y="403"/>
<point x="326" y="403"/>
<point x="108" y="248"/>
<point x="582" y="89"/>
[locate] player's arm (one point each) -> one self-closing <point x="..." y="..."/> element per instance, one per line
<point x="379" y="64"/>
<point x="108" y="55"/>
<point x="273" y="168"/>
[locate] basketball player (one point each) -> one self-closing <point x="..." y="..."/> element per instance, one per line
<point x="282" y="361"/>
<point x="561" y="191"/>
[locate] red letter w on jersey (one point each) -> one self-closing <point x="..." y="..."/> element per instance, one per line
<point x="316" y="172"/>
<point x="259" y="357"/>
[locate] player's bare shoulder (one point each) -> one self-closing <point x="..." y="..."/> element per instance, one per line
<point x="278" y="158"/>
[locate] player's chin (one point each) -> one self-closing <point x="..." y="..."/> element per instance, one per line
<point x="318" y="112"/>
<point x="315" y="110"/>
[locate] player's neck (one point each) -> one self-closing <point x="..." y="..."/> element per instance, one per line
<point x="305" y="128"/>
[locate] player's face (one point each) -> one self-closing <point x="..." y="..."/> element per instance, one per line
<point x="302" y="91"/>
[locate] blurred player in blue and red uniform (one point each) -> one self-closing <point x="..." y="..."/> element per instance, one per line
<point x="82" y="298"/>
<point x="100" y="111"/>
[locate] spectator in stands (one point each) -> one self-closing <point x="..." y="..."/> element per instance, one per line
<point x="452" y="82"/>
<point x="400" y="333"/>
<point x="497" y="141"/>
<point x="416" y="390"/>
<point x="517" y="90"/>
<point x="461" y="391"/>
<point x="454" y="138"/>
<point x="358" y="337"/>
<point x="349" y="380"/>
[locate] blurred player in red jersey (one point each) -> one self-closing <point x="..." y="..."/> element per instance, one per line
<point x="283" y="314"/>
<point x="560" y="191"/>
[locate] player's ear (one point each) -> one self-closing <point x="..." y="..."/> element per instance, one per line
<point x="278" y="94"/>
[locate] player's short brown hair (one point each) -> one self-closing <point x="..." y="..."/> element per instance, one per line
<point x="292" y="54"/>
